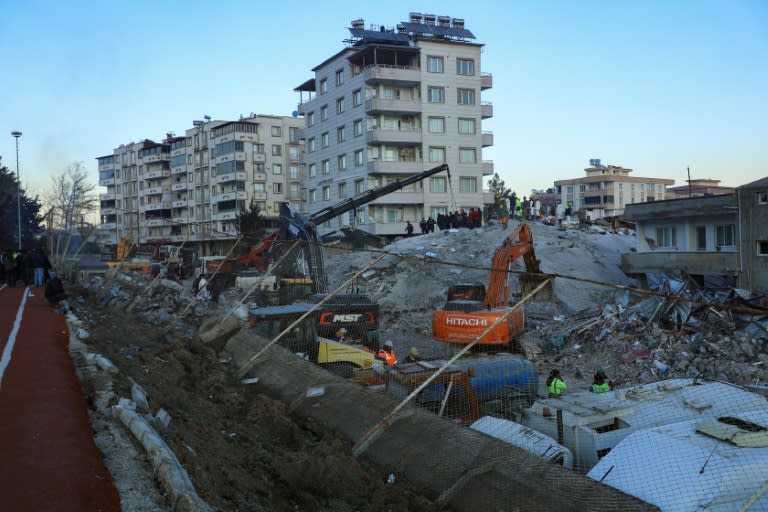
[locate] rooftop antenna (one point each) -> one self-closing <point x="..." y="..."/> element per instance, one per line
<point x="690" y="188"/>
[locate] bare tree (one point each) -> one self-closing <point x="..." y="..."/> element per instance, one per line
<point x="71" y="198"/>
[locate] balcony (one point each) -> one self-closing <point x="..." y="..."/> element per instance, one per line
<point x="486" y="110"/>
<point x="393" y="137"/>
<point x="400" y="198"/>
<point x="179" y="238"/>
<point x="229" y="196"/>
<point x="153" y="223"/>
<point x="108" y="226"/>
<point x="392" y="74"/>
<point x="182" y="185"/>
<point x="260" y="196"/>
<point x="107" y="182"/>
<point x="394" y="166"/>
<point x="182" y="169"/>
<point x="162" y="205"/>
<point x="487" y="139"/>
<point x="259" y="158"/>
<point x="382" y="105"/>
<point x="259" y="176"/>
<point x="108" y="211"/>
<point x="110" y="196"/>
<point x="692" y="262"/>
<point x="152" y="191"/>
<point x="179" y="203"/>
<point x="229" y="177"/>
<point x="226" y="215"/>
<point x="157" y="174"/>
<point x="487" y="167"/>
<point x="486" y="81"/>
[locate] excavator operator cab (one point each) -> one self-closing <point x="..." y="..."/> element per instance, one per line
<point x="467" y="291"/>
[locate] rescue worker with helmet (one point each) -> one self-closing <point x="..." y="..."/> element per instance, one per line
<point x="387" y="354"/>
<point x="555" y="384"/>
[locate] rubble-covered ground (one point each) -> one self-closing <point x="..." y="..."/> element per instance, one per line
<point x="245" y="451"/>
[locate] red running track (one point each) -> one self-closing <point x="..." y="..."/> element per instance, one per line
<point x="48" y="459"/>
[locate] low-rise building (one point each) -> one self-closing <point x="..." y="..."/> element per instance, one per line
<point x="698" y="188"/>
<point x="607" y="189"/>
<point x="752" y="202"/>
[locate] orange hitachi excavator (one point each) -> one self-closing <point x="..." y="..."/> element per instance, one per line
<point x="471" y="309"/>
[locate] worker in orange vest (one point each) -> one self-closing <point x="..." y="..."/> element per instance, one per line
<point x="387" y="354"/>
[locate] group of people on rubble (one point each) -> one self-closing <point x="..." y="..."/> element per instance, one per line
<point x="452" y="220"/>
<point x="556" y="385"/>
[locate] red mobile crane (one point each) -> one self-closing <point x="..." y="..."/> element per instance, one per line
<point x="471" y="309"/>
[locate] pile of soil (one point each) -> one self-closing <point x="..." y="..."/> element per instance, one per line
<point x="242" y="450"/>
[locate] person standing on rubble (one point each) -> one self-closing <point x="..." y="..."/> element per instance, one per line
<point x="600" y="382"/>
<point x="387" y="354"/>
<point x="203" y="292"/>
<point x="555" y="384"/>
<point x="408" y="228"/>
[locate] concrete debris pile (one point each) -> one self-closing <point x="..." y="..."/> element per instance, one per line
<point x="682" y="333"/>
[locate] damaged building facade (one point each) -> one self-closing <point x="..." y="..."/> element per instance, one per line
<point x="722" y="239"/>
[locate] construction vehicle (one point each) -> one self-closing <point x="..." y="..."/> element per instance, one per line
<point x="341" y="358"/>
<point x="470" y="308"/>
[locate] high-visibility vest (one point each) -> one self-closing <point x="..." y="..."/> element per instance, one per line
<point x="556" y="387"/>
<point x="601" y="388"/>
<point x="388" y="357"/>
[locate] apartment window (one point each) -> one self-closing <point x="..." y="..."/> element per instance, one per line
<point x="258" y="149"/>
<point x="325" y="140"/>
<point x="468" y="185"/>
<point x="467" y="156"/>
<point x="465" y="67"/>
<point x="437" y="185"/>
<point x="359" y="158"/>
<point x="277" y="169"/>
<point x="762" y="197"/>
<point x="312" y="195"/>
<point x="277" y="131"/>
<point x="701" y="238"/>
<point x="277" y="188"/>
<point x="392" y="215"/>
<point x="277" y="150"/>
<point x="357" y="97"/>
<point x="293" y="153"/>
<point x="327" y="193"/>
<point x="726" y="235"/>
<point x="436" y="94"/>
<point x="339" y="105"/>
<point x="324" y="113"/>
<point x="323" y="86"/>
<point x="467" y="126"/>
<point x="436" y="124"/>
<point x="436" y="154"/>
<point x="357" y="127"/>
<point x="293" y="135"/>
<point x="259" y="187"/>
<point x="359" y="186"/>
<point x="312" y="169"/>
<point x="293" y="172"/>
<point x="339" y="77"/>
<point x="326" y="166"/>
<point x="666" y="237"/>
<point x="257" y="167"/>
<point x="311" y="145"/>
<point x="342" y="190"/>
<point x="466" y="96"/>
<point x="434" y="64"/>
<point x="341" y="134"/>
<point x="341" y="162"/>
<point x="762" y="247"/>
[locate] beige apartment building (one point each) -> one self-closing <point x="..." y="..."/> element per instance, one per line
<point x="190" y="188"/>
<point x="606" y="190"/>
<point x="391" y="104"/>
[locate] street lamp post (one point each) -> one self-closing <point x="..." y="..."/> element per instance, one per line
<point x="18" y="187"/>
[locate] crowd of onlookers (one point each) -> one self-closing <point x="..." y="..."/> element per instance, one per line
<point x="31" y="266"/>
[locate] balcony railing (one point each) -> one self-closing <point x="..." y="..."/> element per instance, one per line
<point x="395" y="166"/>
<point x="487" y="139"/>
<point x="486" y="81"/>
<point x="486" y="110"/>
<point x="394" y="136"/>
<point x="488" y="167"/>
<point x="392" y="105"/>
<point x="387" y="73"/>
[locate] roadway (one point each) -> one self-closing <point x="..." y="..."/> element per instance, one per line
<point x="49" y="460"/>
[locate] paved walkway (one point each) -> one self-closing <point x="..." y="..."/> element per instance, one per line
<point x="49" y="460"/>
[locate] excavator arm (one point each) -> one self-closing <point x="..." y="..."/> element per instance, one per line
<point x="518" y="244"/>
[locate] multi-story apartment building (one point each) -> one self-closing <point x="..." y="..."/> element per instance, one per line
<point x="606" y="190"/>
<point x="698" y="187"/>
<point x="391" y="104"/>
<point x="190" y="189"/>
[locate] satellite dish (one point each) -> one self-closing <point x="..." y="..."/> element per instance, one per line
<point x="295" y="113"/>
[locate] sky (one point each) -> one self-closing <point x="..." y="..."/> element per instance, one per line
<point x="655" y="86"/>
